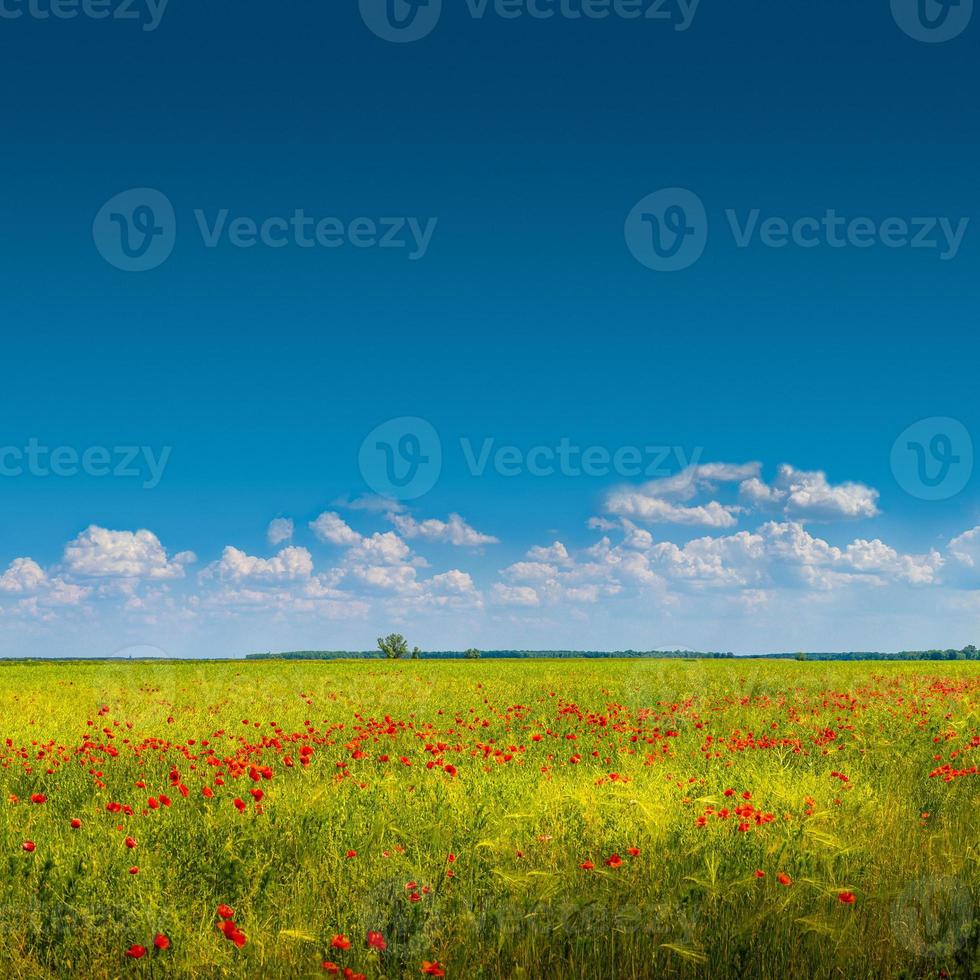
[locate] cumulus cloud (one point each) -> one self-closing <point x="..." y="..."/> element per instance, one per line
<point x="453" y="582"/>
<point x="23" y="575"/>
<point x="798" y="495"/>
<point x="330" y="528"/>
<point x="454" y="531"/>
<point x="779" y="555"/>
<point x="530" y="571"/>
<point x="666" y="501"/>
<point x="381" y="548"/>
<point x="653" y="510"/>
<point x="290" y="565"/>
<point x="555" y="552"/>
<point x="399" y="579"/>
<point x="101" y="553"/>
<point x="37" y="592"/>
<point x="514" y="595"/>
<point x="965" y="548"/>
<point x="280" y="530"/>
<point x="808" y="495"/>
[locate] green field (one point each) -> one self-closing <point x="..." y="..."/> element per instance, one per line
<point x="455" y="809"/>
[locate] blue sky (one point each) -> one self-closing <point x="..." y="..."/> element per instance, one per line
<point x="477" y="268"/>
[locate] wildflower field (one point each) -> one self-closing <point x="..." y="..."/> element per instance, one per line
<point x="489" y="819"/>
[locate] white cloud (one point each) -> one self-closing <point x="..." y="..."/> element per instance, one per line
<point x="382" y="548"/>
<point x="556" y="552"/>
<point x="280" y="530"/>
<point x="699" y="477"/>
<point x="656" y="502"/>
<point x="370" y="503"/>
<point x="290" y="565"/>
<point x="807" y="495"/>
<point x="330" y="528"/>
<point x="514" y="595"/>
<point x="400" y="579"/>
<point x="799" y="495"/>
<point x="455" y="531"/>
<point x="530" y="571"/>
<point x="101" y="553"/>
<point x="23" y="575"/>
<point x="38" y="592"/>
<point x="453" y="582"/>
<point x="965" y="548"/>
<point x="653" y="510"/>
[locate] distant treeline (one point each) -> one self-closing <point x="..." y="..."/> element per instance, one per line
<point x="494" y="655"/>
<point x="967" y="653"/>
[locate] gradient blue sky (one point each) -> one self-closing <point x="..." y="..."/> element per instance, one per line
<point x="527" y="321"/>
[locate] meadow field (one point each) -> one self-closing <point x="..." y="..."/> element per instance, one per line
<point x="491" y="819"/>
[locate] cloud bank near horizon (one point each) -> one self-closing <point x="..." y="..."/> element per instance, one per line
<point x="715" y="543"/>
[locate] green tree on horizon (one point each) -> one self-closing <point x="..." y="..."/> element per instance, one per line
<point x="394" y="646"/>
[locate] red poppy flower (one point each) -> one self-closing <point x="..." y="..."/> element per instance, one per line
<point x="586" y="865"/>
<point x="136" y="952"/>
<point x="38" y="798"/>
<point x="760" y="874"/>
<point x="432" y="969"/>
<point x="207" y="792"/>
<point x="75" y="823"/>
<point x="134" y="870"/>
<point x="352" y="854"/>
<point x="161" y="941"/>
<point x="376" y="941"/>
<point x="633" y="851"/>
<point x="225" y="912"/>
<point x="614" y="861"/>
<point x="330" y="966"/>
<point x="784" y="879"/>
<point x="847" y="898"/>
<point x="232" y="932"/>
<point x="28" y="846"/>
<point x="130" y="842"/>
<point x="340" y="942"/>
<point x="239" y="804"/>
